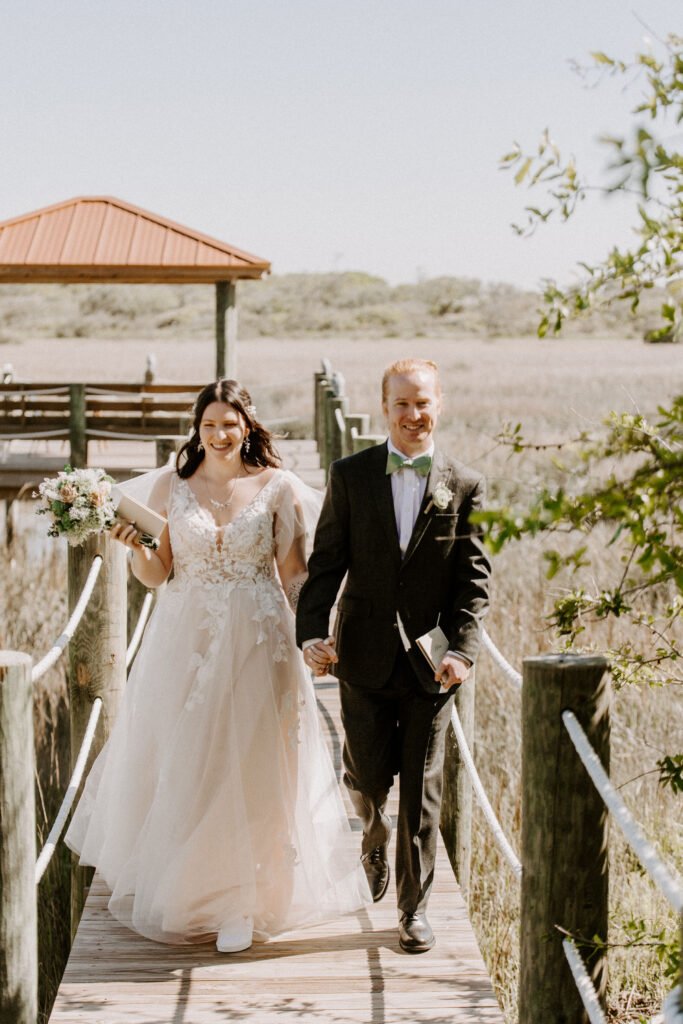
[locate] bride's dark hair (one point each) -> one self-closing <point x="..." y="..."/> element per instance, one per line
<point x="260" y="450"/>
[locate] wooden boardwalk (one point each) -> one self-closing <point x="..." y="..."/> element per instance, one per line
<point x="350" y="971"/>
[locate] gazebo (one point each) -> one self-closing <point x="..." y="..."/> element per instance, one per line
<point x="97" y="239"/>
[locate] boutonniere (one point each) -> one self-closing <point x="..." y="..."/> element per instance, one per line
<point x="441" y="498"/>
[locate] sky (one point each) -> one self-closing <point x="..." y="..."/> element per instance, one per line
<point x="324" y="135"/>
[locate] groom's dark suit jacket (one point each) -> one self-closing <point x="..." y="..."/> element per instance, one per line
<point x="445" y="571"/>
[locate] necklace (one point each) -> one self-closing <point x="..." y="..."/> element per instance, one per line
<point x="213" y="501"/>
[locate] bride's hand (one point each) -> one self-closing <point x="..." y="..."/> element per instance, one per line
<point x="127" y="533"/>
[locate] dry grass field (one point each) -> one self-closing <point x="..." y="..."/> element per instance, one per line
<point x="555" y="389"/>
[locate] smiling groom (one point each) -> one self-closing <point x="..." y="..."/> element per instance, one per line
<point x="396" y="522"/>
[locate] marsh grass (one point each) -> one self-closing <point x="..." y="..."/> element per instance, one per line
<point x="32" y="615"/>
<point x="556" y="390"/>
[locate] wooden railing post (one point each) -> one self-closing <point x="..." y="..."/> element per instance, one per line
<point x="226" y="329"/>
<point x="326" y="450"/>
<point x="564" y="834"/>
<point x="361" y="423"/>
<point x="320" y="392"/>
<point x="18" y="913"/>
<point x="97" y="661"/>
<point x="318" y="378"/>
<point x="77" y="425"/>
<point x="456" y="804"/>
<point x="337" y="430"/>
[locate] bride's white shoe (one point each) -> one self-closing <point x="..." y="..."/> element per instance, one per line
<point x="235" y="935"/>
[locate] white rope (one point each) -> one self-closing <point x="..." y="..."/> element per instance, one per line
<point x="70" y="795"/>
<point x="35" y="435"/>
<point x="142" y="622"/>
<point x="501" y="661"/>
<point x="50" y="658"/>
<point x="672" y="1006"/>
<point x="498" y="834"/>
<point x="8" y="393"/>
<point x="589" y="996"/>
<point x="114" y="436"/>
<point x="160" y="396"/>
<point x="341" y="422"/>
<point x="648" y="856"/>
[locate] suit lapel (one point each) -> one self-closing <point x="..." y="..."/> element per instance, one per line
<point x="383" y="497"/>
<point x="440" y="471"/>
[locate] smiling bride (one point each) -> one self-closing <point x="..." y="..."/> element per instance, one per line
<point x="213" y="812"/>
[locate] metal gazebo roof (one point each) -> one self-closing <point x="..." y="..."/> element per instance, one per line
<point x="99" y="238"/>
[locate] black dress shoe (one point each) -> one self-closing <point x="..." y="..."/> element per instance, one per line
<point x="377" y="871"/>
<point x="415" y="934"/>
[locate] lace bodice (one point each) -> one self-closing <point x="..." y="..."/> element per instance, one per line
<point x="217" y="556"/>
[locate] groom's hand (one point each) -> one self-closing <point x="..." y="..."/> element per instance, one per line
<point x="320" y="655"/>
<point x="452" y="671"/>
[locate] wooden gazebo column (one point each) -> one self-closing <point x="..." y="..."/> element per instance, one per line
<point x="226" y="329"/>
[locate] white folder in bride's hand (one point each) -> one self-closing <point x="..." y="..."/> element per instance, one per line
<point x="434" y="645"/>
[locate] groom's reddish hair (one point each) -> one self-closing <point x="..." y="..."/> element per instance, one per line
<point x="409" y="366"/>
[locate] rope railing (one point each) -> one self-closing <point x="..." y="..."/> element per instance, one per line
<point x="70" y="795"/>
<point x="41" y="667"/>
<point x="501" y="661"/>
<point x="17" y="392"/>
<point x="639" y="843"/>
<point x="114" y="435"/>
<point x="586" y="989"/>
<point x="672" y="1007"/>
<point x="139" y="628"/>
<point x="490" y="815"/>
<point x="151" y="396"/>
<point x="36" y="435"/>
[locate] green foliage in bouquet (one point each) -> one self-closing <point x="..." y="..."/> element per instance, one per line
<point x="78" y="502"/>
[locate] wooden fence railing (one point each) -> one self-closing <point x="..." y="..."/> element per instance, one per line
<point x="104" y="411"/>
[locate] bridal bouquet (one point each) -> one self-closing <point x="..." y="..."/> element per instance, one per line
<point x="79" y="503"/>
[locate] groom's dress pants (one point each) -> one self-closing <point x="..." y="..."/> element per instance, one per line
<point x="398" y="728"/>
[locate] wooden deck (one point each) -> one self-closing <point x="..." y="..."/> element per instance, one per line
<point x="352" y="970"/>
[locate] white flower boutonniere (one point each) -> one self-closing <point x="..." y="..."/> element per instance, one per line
<point x="441" y="498"/>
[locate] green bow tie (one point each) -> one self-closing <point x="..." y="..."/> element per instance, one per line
<point x="421" y="464"/>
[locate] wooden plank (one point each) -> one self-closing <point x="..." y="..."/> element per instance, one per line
<point x="345" y="971"/>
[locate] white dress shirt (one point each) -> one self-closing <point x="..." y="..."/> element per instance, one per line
<point x="408" y="489"/>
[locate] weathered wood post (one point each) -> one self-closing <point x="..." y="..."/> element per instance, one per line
<point x="359" y="421"/>
<point x="326" y="449"/>
<point x="564" y="834"/>
<point x="337" y="430"/>
<point x="18" y="912"/>
<point x="456" y="804"/>
<point x="320" y="392"/>
<point x="78" y="440"/>
<point x="165" y="447"/>
<point x="319" y="378"/>
<point x="97" y="661"/>
<point x="226" y="329"/>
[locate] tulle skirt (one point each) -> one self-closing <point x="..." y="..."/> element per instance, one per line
<point x="215" y="796"/>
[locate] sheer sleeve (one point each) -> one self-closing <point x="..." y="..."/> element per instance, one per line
<point x="296" y="514"/>
<point x="151" y="488"/>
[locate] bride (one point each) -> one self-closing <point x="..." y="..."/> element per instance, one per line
<point x="213" y="809"/>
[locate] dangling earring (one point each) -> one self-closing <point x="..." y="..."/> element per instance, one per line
<point x="246" y="444"/>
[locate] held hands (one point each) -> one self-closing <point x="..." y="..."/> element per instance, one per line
<point x="321" y="655"/>
<point x="452" y="671"/>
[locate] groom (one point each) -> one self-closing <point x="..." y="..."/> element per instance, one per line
<point x="396" y="520"/>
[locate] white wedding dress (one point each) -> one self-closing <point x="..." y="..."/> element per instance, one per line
<point x="215" y="797"/>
